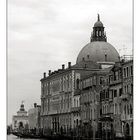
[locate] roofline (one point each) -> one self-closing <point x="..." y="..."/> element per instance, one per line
<point x="69" y="69"/>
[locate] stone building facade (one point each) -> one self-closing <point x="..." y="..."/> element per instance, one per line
<point x="60" y="104"/>
<point x="127" y="98"/>
<point x="117" y="100"/>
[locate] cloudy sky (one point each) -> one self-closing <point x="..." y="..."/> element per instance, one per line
<point x="44" y="34"/>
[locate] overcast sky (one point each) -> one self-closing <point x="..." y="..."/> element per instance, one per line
<point x="44" y="34"/>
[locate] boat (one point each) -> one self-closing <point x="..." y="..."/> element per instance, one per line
<point x="27" y="135"/>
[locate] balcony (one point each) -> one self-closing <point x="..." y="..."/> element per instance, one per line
<point x="113" y="82"/>
<point x="106" y="117"/>
<point x="125" y="97"/>
<point x="125" y="117"/>
<point x="75" y="109"/>
<point x="86" y="121"/>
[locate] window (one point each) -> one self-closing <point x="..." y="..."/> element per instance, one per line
<point x="107" y="94"/>
<point x="119" y="108"/>
<point x="128" y="109"/>
<point x="115" y="78"/>
<point x="101" y="80"/>
<point x="96" y="33"/>
<point x="111" y="94"/>
<point x="99" y="33"/>
<point x="131" y="88"/>
<point x="115" y="93"/>
<point x="77" y="83"/>
<point x="131" y="109"/>
<point x="127" y="72"/>
<point x="74" y="103"/>
<point x="125" y="109"/>
<point x="120" y="91"/>
<point x="124" y="72"/>
<point x="127" y="89"/>
<point x="131" y="69"/>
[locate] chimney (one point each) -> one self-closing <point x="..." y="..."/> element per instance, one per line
<point x="69" y="64"/>
<point x="49" y="72"/>
<point x="44" y="74"/>
<point x="35" y="105"/>
<point x="63" y="67"/>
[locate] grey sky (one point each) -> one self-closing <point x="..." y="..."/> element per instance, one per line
<point x="43" y="34"/>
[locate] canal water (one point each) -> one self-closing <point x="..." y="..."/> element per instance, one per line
<point x="12" y="137"/>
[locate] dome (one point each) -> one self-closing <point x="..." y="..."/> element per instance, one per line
<point x="98" y="24"/>
<point x="97" y="51"/>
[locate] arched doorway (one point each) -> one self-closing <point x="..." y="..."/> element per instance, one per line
<point x="20" y="125"/>
<point x="127" y="132"/>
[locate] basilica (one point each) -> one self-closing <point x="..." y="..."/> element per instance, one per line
<point x="92" y="98"/>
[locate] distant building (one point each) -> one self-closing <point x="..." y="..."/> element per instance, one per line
<point x="20" y="121"/>
<point x="34" y="117"/>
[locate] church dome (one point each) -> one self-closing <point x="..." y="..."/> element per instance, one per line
<point x="98" y="51"/>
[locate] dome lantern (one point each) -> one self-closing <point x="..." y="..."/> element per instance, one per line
<point x="98" y="33"/>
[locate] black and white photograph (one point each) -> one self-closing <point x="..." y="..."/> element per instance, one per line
<point x="70" y="70"/>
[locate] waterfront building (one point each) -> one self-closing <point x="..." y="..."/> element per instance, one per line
<point x="127" y="98"/>
<point x="61" y="89"/>
<point x="60" y="95"/>
<point x="34" y="118"/>
<point x="20" y="121"/>
<point x="117" y="101"/>
<point x="111" y="103"/>
<point x="91" y="86"/>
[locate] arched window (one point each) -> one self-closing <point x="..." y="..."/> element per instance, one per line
<point x="96" y="33"/>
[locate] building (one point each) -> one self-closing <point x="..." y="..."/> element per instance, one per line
<point x="117" y="101"/>
<point x="60" y="96"/>
<point x="60" y="90"/>
<point x="127" y="99"/>
<point x="91" y="86"/>
<point x="34" y="118"/>
<point x="20" y="121"/>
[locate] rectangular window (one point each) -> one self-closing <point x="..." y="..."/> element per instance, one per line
<point x="115" y="78"/>
<point x="101" y="80"/>
<point x="127" y="71"/>
<point x="124" y="70"/>
<point x="131" y="68"/>
<point x="131" y="88"/>
<point x="120" y="91"/>
<point x="115" y="93"/>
